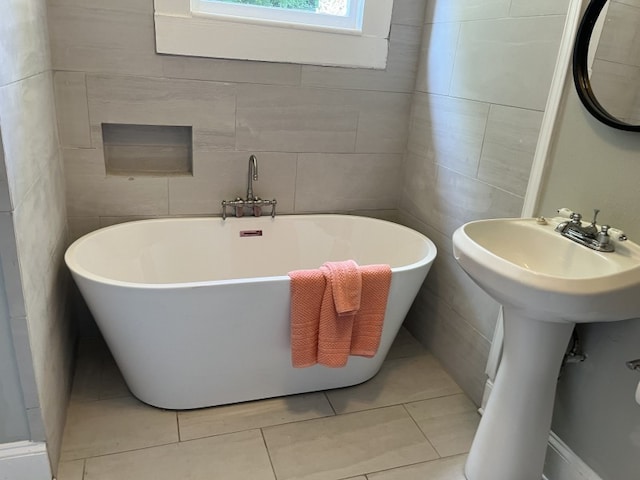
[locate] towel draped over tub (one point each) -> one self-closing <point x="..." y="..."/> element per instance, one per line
<point x="336" y="311"/>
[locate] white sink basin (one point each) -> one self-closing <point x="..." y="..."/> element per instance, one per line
<point x="531" y="267"/>
<point x="546" y="284"/>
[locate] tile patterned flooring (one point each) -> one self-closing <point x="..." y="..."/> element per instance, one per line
<point x="410" y="422"/>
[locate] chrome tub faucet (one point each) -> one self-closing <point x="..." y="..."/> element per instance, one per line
<point x="251" y="201"/>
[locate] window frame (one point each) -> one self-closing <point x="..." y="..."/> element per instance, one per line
<point x="181" y="31"/>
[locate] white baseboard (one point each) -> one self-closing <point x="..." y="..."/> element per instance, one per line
<point x="24" y="461"/>
<point x="561" y="462"/>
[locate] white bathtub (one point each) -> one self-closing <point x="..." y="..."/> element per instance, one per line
<point x="197" y="315"/>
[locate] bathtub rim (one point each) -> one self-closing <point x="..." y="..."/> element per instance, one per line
<point x="77" y="269"/>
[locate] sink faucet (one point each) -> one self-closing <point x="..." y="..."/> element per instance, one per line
<point x="587" y="235"/>
<point x="252" y="201"/>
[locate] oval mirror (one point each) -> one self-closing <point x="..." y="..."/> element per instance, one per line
<point x="606" y="62"/>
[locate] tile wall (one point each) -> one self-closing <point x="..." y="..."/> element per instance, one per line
<point x="484" y="74"/>
<point x="33" y="225"/>
<point x="327" y="139"/>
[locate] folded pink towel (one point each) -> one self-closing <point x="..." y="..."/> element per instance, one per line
<point x="318" y="334"/>
<point x="346" y="285"/>
<point x="334" y="329"/>
<point x="368" y="323"/>
<point x="307" y="290"/>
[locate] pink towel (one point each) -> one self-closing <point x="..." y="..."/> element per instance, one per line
<point x="307" y="290"/>
<point x="334" y="329"/>
<point x="367" y="326"/>
<point x="318" y="334"/>
<point x="346" y="285"/>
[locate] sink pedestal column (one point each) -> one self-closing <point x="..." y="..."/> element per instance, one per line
<point x="512" y="437"/>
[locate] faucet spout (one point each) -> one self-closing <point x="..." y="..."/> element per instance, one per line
<point x="252" y="175"/>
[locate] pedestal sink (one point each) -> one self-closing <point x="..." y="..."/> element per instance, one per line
<point x="546" y="284"/>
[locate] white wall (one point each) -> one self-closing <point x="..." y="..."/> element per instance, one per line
<point x="13" y="417"/>
<point x="595" y="166"/>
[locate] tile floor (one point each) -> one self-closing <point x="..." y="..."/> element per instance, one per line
<point x="410" y="422"/>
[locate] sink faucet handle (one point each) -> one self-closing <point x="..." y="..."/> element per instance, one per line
<point x="603" y="235"/>
<point x="565" y="212"/>
<point x="576" y="218"/>
<point x="596" y="211"/>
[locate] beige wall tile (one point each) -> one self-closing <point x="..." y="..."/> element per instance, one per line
<point x="465" y="10"/>
<point x="460" y="348"/>
<point x="444" y="469"/>
<point x="449" y="423"/>
<point x="448" y="131"/>
<point x="245" y="416"/>
<point x="115" y="425"/>
<point x="80" y="226"/>
<point x="399" y="381"/>
<point x="473" y="200"/>
<point x="237" y="456"/>
<point x="24" y="49"/>
<point x="509" y="146"/>
<point x="83" y="162"/>
<point x="72" y="109"/>
<point x="382" y="122"/>
<point x="71" y="470"/>
<point x="399" y="76"/>
<point x="90" y="196"/>
<point x="418" y="194"/>
<point x="329" y="182"/>
<point x="27" y="107"/>
<point x="346" y="445"/>
<point x="97" y="39"/>
<point x="405" y="345"/>
<point x="136" y="6"/>
<point x="450" y="283"/>
<point x="221" y="176"/>
<point x="507" y="61"/>
<point x="207" y="106"/>
<point x="437" y="56"/>
<point x="524" y="8"/>
<point x="221" y="70"/>
<point x="288" y="119"/>
<point x="408" y="12"/>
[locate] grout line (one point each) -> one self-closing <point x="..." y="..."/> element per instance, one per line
<point x="178" y="426"/>
<point x="329" y="402"/>
<point x="264" y="441"/>
<point x="421" y="431"/>
<point x="414" y="463"/>
<point x="148" y="447"/>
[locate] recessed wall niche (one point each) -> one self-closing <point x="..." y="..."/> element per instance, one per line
<point x="156" y="150"/>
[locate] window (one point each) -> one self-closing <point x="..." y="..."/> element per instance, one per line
<point x="351" y="33"/>
<point x="314" y="14"/>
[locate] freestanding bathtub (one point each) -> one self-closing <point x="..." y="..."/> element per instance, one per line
<point x="196" y="310"/>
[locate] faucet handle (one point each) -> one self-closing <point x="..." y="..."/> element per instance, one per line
<point x="596" y="211"/>
<point x="576" y="218"/>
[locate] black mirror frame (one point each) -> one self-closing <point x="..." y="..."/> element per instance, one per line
<point x="581" y="70"/>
